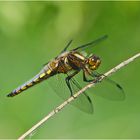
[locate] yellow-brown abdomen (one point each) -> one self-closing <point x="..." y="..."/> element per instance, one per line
<point x="37" y="79"/>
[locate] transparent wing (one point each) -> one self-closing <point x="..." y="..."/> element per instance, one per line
<point x="59" y="85"/>
<point x="90" y="44"/>
<point x="84" y="102"/>
<point x="107" y="89"/>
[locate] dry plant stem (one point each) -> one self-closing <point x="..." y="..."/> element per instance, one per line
<point x="60" y="107"/>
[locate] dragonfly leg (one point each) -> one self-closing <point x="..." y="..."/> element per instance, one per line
<point x="68" y="78"/>
<point x="92" y="75"/>
<point x="85" y="78"/>
<point x="97" y="76"/>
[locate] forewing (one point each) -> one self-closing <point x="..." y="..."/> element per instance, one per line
<point x="90" y="44"/>
<point x="109" y="91"/>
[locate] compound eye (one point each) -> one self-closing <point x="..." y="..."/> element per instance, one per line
<point x="98" y="61"/>
<point x="91" y="61"/>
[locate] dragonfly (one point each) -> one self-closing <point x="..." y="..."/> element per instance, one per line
<point x="63" y="71"/>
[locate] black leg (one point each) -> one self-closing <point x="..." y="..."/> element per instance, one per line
<point x="68" y="81"/>
<point x="93" y="75"/>
<point x="85" y="78"/>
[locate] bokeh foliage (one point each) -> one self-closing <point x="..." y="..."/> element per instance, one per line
<point x="32" y="33"/>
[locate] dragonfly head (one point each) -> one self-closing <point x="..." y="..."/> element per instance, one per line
<point x="93" y="62"/>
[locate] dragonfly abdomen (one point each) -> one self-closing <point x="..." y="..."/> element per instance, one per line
<point x="44" y="74"/>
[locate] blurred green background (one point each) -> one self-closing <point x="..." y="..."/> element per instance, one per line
<point x="32" y="33"/>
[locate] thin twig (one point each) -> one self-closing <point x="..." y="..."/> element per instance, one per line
<point x="60" y="107"/>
